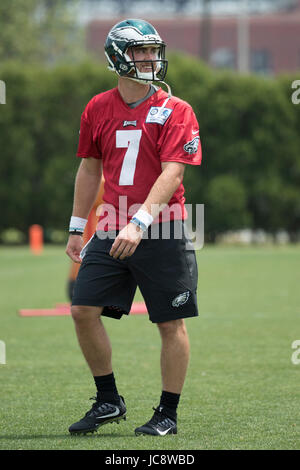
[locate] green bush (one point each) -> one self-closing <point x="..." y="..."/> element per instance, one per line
<point x="12" y="236"/>
<point x="58" y="237"/>
<point x="226" y="208"/>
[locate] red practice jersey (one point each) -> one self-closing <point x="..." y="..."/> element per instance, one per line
<point x="132" y="144"/>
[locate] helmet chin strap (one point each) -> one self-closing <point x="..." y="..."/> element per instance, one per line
<point x="169" y="92"/>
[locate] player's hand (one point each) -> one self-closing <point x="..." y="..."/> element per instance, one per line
<point x="74" y="247"/>
<point x="126" y="242"/>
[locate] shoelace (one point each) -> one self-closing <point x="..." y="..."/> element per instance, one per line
<point x="160" y="417"/>
<point x="98" y="406"/>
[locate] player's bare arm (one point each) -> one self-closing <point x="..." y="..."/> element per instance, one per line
<point x="164" y="187"/>
<point x="86" y="189"/>
<point x="160" y="194"/>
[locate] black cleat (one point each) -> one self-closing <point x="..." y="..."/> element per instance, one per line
<point x="100" y="414"/>
<point x="159" y="425"/>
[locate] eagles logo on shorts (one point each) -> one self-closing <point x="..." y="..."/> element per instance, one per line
<point x="192" y="146"/>
<point x="181" y="299"/>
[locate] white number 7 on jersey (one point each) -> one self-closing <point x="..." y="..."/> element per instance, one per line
<point x="131" y="141"/>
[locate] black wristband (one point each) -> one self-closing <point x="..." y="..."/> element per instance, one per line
<point x="75" y="232"/>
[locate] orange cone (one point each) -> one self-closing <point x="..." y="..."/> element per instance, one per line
<point x="36" y="239"/>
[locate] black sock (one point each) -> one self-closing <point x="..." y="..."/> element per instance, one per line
<point x="106" y="389"/>
<point x="169" y="402"/>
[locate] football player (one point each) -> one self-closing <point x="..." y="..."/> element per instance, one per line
<point x="140" y="138"/>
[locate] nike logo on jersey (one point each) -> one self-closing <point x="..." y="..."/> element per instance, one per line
<point x="195" y="132"/>
<point x="129" y="123"/>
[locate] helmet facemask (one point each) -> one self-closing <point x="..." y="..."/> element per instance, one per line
<point x="157" y="66"/>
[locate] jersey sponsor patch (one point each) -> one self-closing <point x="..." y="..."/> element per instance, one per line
<point x="192" y="146"/>
<point x="158" y="115"/>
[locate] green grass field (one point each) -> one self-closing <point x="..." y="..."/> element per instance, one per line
<point x="242" y="390"/>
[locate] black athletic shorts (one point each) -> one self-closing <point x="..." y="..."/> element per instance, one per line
<point x="165" y="270"/>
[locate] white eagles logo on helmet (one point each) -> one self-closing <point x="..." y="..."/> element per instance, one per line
<point x="130" y="33"/>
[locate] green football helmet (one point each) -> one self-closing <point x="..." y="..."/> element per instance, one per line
<point x="130" y="34"/>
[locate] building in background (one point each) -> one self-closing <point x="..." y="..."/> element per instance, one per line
<point x="264" y="39"/>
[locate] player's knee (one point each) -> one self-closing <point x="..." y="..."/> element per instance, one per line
<point x="77" y="313"/>
<point x="172" y="327"/>
<point x="83" y="314"/>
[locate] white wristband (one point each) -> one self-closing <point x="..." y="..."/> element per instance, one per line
<point x="77" y="224"/>
<point x="144" y="217"/>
